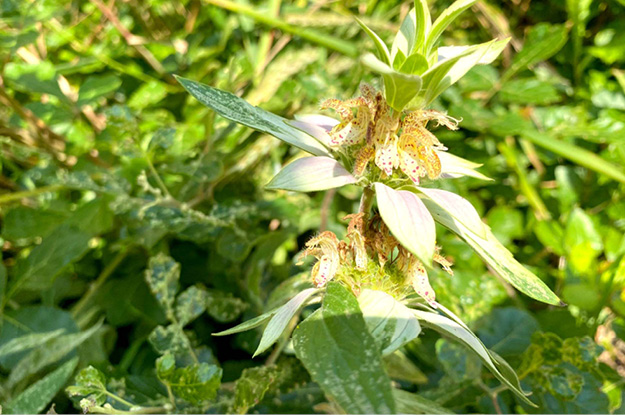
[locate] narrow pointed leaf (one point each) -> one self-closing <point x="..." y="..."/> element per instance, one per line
<point x="248" y="325"/>
<point x="380" y="46"/>
<point x="423" y="23"/>
<point x="461" y="334"/>
<point x="404" y="41"/>
<point x="281" y="319"/>
<point x="311" y="174"/>
<point x="445" y="19"/>
<point x="498" y="258"/>
<point x="453" y="167"/>
<point x="408" y="220"/>
<point x="458" y="207"/>
<point x="238" y="110"/>
<point x="411" y="403"/>
<point x="342" y="357"/>
<point x="28" y="341"/>
<point x="391" y="323"/>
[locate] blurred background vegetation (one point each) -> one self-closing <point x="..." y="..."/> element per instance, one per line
<point x="121" y="196"/>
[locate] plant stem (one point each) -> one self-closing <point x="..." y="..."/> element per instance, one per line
<point x="366" y="200"/>
<point x="330" y="42"/>
<point x="10" y="197"/>
<point x="99" y="282"/>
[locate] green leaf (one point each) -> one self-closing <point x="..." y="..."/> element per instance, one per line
<point x="38" y="395"/>
<point x="391" y="323"/>
<point x="399" y="88"/>
<point x="380" y="46"/>
<point x="28" y="341"/>
<point x="447" y="72"/>
<point x="400" y="367"/>
<point x="248" y="325"/>
<point x="415" y="64"/>
<point x="89" y="382"/>
<point x="342" y="357"/>
<point x="464" y="336"/>
<point x="507" y="331"/>
<point x="162" y="276"/>
<point x="404" y="41"/>
<point x="529" y="91"/>
<point x="279" y="322"/>
<point x="497" y="257"/>
<point x="409" y="221"/>
<point x="411" y="403"/>
<point x="445" y="19"/>
<point x="96" y="87"/>
<point x="580" y="230"/>
<point x="190" y="304"/>
<point x="311" y="174"/>
<point x="48" y="353"/>
<point x="65" y="245"/>
<point x="458" y="207"/>
<point x="169" y="339"/>
<point x="423" y="23"/>
<point x="224" y="307"/>
<point x="543" y="41"/>
<point x="238" y="110"/>
<point x="22" y="222"/>
<point x="453" y="167"/>
<point x="251" y="387"/>
<point x="551" y="235"/>
<point x="195" y="384"/>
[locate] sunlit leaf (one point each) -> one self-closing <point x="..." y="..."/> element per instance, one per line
<point x="311" y="174"/>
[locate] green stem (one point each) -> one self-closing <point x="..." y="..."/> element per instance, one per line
<point x="118" y="399"/>
<point x="99" y="282"/>
<point x="330" y="42"/>
<point x="11" y="197"/>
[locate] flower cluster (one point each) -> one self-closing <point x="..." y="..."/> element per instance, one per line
<point x="370" y="130"/>
<point x="370" y="257"/>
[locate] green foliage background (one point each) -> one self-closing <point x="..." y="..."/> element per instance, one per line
<point x="135" y="223"/>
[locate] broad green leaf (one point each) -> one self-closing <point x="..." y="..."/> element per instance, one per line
<point x="48" y="353"/>
<point x="409" y="221"/>
<point x="400" y="367"/>
<point x="23" y="222"/>
<point x="195" y="384"/>
<point x="453" y="167"/>
<point x="411" y="403"/>
<point x="342" y="357"/>
<point x="462" y="334"/>
<point x="551" y="235"/>
<point x="447" y="72"/>
<point x="38" y="395"/>
<point x="238" y="110"/>
<point x="529" y="91"/>
<point x="169" y="339"/>
<point x="543" y="41"/>
<point x="497" y="257"/>
<point x="90" y="382"/>
<point x="252" y="385"/>
<point x="224" y="307"/>
<point x="404" y="41"/>
<point x="391" y="323"/>
<point x="399" y="88"/>
<point x="281" y="319"/>
<point x="507" y="331"/>
<point x="249" y="324"/>
<point x="28" y="341"/>
<point x="162" y="276"/>
<point x="445" y="19"/>
<point x="458" y="207"/>
<point x="311" y="174"/>
<point x="580" y="230"/>
<point x="190" y="304"/>
<point x="96" y="87"/>
<point x="64" y="246"/>
<point x="380" y="46"/>
<point x="415" y="64"/>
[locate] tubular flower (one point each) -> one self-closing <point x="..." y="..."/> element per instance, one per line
<point x="417" y="275"/>
<point x="324" y="247"/>
<point x="383" y="136"/>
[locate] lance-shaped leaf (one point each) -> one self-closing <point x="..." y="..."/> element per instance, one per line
<point x="342" y="357"/>
<point x="380" y="46"/>
<point x="391" y="323"/>
<point x="281" y="319"/>
<point x="399" y="88"/>
<point x="404" y="41"/>
<point x="238" y="110"/>
<point x="458" y="207"/>
<point x="446" y="72"/>
<point x="498" y="258"/>
<point x="445" y="19"/>
<point x="248" y="325"/>
<point x="423" y="23"/>
<point x="408" y="220"/>
<point x="311" y="174"/>
<point x="453" y="167"/>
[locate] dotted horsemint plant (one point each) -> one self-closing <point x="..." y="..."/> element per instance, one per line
<point x="381" y="141"/>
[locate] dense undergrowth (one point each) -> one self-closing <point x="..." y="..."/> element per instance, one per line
<point x="136" y="223"/>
